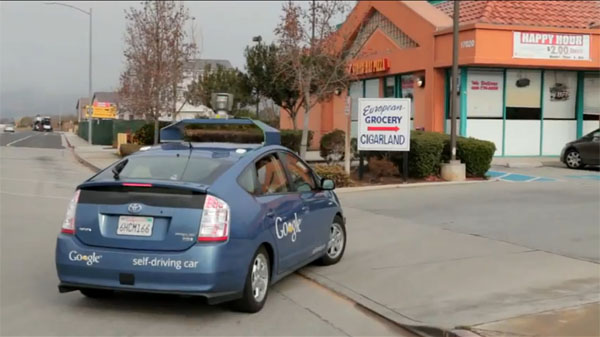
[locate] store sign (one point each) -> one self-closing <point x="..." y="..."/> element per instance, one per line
<point x="484" y="85"/>
<point x="551" y="46"/>
<point x="384" y="124"/>
<point x="369" y="67"/>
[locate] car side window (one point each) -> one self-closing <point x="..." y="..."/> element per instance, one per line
<point x="270" y="175"/>
<point x="300" y="174"/>
<point x="247" y="180"/>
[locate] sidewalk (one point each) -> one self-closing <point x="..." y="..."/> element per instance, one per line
<point x="96" y="157"/>
<point x="425" y="276"/>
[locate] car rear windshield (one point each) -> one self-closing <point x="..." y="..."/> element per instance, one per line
<point x="200" y="170"/>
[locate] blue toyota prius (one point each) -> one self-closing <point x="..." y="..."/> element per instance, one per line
<point x="219" y="220"/>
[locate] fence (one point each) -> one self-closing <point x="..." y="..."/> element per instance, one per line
<point x="104" y="131"/>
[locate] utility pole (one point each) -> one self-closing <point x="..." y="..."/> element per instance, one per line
<point x="257" y="39"/>
<point x="454" y="93"/>
<point x="90" y="93"/>
<point x="90" y="109"/>
<point x="454" y="170"/>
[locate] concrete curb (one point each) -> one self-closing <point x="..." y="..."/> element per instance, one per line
<point x="79" y="158"/>
<point x="402" y="321"/>
<point x="390" y="186"/>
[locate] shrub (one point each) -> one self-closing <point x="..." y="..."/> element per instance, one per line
<point x="382" y="167"/>
<point x="335" y="173"/>
<point x="425" y="154"/>
<point x="229" y="136"/>
<point x="145" y="134"/>
<point x="127" y="149"/>
<point x="291" y="139"/>
<point x="332" y="145"/>
<point x="476" y="154"/>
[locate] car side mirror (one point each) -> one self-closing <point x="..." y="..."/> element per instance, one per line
<point x="327" y="184"/>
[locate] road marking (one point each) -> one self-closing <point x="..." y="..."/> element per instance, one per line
<point x="517" y="178"/>
<point x="586" y="176"/>
<point x="18" y="140"/>
<point x="35" y="195"/>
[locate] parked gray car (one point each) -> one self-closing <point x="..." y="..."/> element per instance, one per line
<point x="583" y="151"/>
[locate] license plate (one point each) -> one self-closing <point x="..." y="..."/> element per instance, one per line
<point x="135" y="225"/>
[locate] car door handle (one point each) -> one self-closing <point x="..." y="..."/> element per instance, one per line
<point x="305" y="208"/>
<point x="270" y="214"/>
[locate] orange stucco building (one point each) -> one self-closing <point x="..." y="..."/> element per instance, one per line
<point x="529" y="78"/>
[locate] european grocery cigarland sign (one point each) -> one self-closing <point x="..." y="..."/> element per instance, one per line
<point x="551" y="46"/>
<point x="383" y="124"/>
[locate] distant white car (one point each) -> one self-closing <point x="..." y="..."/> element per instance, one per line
<point x="9" y="128"/>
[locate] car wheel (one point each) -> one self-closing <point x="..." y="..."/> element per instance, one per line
<point x="336" y="244"/>
<point x="257" y="283"/>
<point x="96" y="293"/>
<point x="573" y="159"/>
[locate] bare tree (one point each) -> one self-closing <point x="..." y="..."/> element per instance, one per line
<point x="314" y="52"/>
<point x="156" y="50"/>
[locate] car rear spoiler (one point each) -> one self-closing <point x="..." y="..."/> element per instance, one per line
<point x="174" y="132"/>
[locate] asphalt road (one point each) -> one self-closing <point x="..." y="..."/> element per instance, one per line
<point x="35" y="187"/>
<point x="559" y="216"/>
<point x="47" y="140"/>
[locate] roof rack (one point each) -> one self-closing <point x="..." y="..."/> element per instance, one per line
<point x="174" y="132"/>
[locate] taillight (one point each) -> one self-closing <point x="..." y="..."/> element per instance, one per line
<point x="215" y="220"/>
<point x="68" y="225"/>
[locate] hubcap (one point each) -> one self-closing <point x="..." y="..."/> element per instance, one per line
<point x="336" y="241"/>
<point x="573" y="159"/>
<point x="259" y="277"/>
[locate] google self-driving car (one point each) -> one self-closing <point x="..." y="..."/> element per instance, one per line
<point x="222" y="221"/>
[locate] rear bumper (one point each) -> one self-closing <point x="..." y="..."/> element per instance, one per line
<point x="211" y="297"/>
<point x="203" y="270"/>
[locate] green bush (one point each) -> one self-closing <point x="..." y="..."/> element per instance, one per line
<point x="476" y="154"/>
<point x="425" y="154"/>
<point x="335" y="173"/>
<point x="332" y="145"/>
<point x="291" y="139"/>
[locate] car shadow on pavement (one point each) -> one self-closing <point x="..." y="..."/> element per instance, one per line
<point x="175" y="305"/>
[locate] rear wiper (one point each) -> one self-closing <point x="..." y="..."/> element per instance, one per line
<point x="118" y="168"/>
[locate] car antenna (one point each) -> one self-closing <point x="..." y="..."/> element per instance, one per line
<point x="116" y="170"/>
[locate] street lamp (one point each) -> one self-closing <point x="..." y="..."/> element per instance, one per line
<point x="90" y="109"/>
<point x="257" y="39"/>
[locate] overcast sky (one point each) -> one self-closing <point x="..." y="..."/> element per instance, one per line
<point x="44" y="48"/>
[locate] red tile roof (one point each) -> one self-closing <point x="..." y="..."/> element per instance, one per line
<point x="563" y="14"/>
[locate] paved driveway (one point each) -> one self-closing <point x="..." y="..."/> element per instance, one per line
<point x="469" y="254"/>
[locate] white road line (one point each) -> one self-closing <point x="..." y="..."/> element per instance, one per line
<point x="18" y="140"/>
<point x="34" y="195"/>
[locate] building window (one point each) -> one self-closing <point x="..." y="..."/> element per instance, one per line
<point x="560" y="94"/>
<point x="591" y="96"/>
<point x="523" y="90"/>
<point x="372" y="88"/>
<point x="390" y="87"/>
<point x="484" y="92"/>
<point x="408" y="91"/>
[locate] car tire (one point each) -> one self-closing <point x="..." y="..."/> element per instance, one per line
<point x="573" y="159"/>
<point x="96" y="293"/>
<point x="256" y="287"/>
<point x="336" y="244"/>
